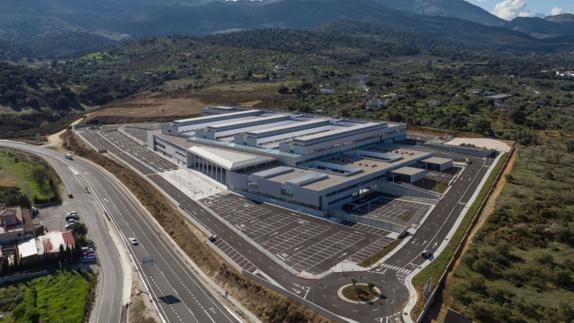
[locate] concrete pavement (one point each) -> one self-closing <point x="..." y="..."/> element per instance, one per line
<point x="111" y="291"/>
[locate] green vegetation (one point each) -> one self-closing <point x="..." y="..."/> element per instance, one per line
<point x="425" y="82"/>
<point x="434" y="271"/>
<point x="57" y="297"/>
<point x="27" y="174"/>
<point x="95" y="56"/>
<point x="360" y="292"/>
<point x="520" y="265"/>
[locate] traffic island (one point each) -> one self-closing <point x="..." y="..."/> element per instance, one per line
<point x="359" y="293"/>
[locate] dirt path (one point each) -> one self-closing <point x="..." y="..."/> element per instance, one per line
<point x="487" y="211"/>
<point x="56" y="138"/>
<point x="150" y="107"/>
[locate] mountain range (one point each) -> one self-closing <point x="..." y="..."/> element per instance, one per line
<point x="56" y="28"/>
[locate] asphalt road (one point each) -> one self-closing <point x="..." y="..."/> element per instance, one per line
<point x="323" y="292"/>
<point x="108" y="304"/>
<point x="179" y="294"/>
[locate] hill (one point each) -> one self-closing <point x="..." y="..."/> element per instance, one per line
<point x="445" y="8"/>
<point x="549" y="27"/>
<point x="60" y="28"/>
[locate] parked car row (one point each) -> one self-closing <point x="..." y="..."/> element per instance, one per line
<point x="72" y="218"/>
<point x="88" y="253"/>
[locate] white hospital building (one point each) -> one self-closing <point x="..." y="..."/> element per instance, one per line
<point x="302" y="162"/>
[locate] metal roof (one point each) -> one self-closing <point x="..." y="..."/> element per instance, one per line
<point x="229" y="159"/>
<point x="408" y="171"/>
<point x="437" y="160"/>
<point x="281" y="129"/>
<point x="336" y="133"/>
<point x="308" y="178"/>
<point x="273" y="172"/>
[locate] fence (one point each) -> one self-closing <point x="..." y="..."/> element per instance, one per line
<point x="22" y="276"/>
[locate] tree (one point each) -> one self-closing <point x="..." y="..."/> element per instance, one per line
<point x="482" y="126"/>
<point x="283" y="90"/>
<point x="79" y="229"/>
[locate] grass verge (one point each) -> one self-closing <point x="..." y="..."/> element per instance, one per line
<point x="435" y="270"/>
<point x="37" y="180"/>
<point x="63" y="296"/>
<point x="268" y="305"/>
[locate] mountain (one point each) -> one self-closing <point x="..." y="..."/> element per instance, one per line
<point x="60" y="28"/>
<point x="548" y="27"/>
<point x="566" y="18"/>
<point x="445" y="8"/>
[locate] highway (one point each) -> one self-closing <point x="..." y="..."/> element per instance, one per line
<point x="323" y="291"/>
<point x="179" y="295"/>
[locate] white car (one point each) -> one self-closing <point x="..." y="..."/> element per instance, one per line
<point x="133" y="241"/>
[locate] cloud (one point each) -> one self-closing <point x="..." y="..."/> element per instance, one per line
<point x="556" y="11"/>
<point x="510" y="9"/>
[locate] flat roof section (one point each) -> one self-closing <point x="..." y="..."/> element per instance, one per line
<point x="229" y="159"/>
<point x="437" y="160"/>
<point x="254" y="121"/>
<point x="307" y="178"/>
<point x="388" y="157"/>
<point x="320" y="137"/>
<point x="236" y="131"/>
<point x="276" y="171"/>
<point x="260" y="133"/>
<point x="408" y="171"/>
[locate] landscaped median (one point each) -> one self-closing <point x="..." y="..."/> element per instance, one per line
<point x="435" y="270"/>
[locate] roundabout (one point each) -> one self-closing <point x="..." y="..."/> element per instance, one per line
<point x="359" y="293"/>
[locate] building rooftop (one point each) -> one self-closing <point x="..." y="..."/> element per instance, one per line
<point x="408" y="171"/>
<point x="436" y="160"/>
<point x="27" y="249"/>
<point x="229" y="159"/>
<point x="346" y="167"/>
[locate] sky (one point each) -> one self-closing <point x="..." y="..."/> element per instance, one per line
<point x="510" y="9"/>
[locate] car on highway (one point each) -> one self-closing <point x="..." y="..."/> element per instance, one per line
<point x="72" y="213"/>
<point x="212" y="237"/>
<point x="426" y="254"/>
<point x="69" y="157"/>
<point x="133" y="241"/>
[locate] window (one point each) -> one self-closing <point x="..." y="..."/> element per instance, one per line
<point x="252" y="183"/>
<point x="286" y="191"/>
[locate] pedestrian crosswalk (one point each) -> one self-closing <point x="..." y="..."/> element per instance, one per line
<point x="400" y="272"/>
<point x="398" y="269"/>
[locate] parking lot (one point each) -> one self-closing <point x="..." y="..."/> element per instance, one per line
<point x="305" y="243"/>
<point x="139" y="131"/>
<point x="243" y="262"/>
<point x="145" y="155"/>
<point x="382" y="208"/>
